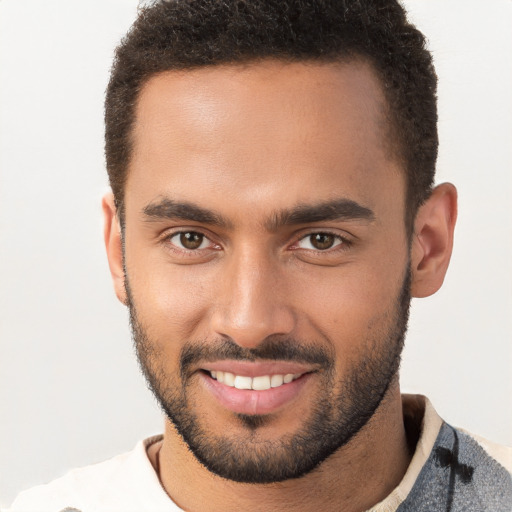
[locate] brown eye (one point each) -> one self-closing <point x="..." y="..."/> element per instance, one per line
<point x="189" y="240"/>
<point x="320" y="241"/>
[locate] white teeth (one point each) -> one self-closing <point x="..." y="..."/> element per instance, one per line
<point x="243" y="382"/>
<point x="259" y="383"/>
<point x="276" y="381"/>
<point x="229" y="379"/>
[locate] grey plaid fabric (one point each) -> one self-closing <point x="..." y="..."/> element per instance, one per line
<point x="459" y="476"/>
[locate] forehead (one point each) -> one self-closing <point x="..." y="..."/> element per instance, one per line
<point x="280" y="132"/>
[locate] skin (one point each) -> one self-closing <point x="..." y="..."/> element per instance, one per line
<point x="246" y="142"/>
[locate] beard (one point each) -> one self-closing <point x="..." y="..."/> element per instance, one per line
<point x="342" y="406"/>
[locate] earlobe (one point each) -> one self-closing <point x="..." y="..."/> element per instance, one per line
<point x="113" y="244"/>
<point x="433" y="240"/>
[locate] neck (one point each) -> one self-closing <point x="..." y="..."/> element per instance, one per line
<point x="378" y="456"/>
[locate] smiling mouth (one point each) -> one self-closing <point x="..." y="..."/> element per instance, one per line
<point x="255" y="388"/>
<point x="258" y="383"/>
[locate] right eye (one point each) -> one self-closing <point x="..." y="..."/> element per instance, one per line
<point x="190" y="240"/>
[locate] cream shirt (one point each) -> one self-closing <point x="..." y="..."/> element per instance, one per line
<point x="129" y="483"/>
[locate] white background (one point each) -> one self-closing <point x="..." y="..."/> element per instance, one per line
<point x="70" y="390"/>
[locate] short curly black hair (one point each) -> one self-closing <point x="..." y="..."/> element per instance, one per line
<point x="184" y="34"/>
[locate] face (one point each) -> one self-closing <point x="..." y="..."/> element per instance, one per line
<point x="266" y="260"/>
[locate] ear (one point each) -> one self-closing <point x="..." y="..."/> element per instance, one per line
<point x="433" y="240"/>
<point x="113" y="244"/>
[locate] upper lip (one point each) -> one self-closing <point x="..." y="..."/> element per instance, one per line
<point x="255" y="369"/>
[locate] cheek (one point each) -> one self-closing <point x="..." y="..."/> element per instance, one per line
<point x="169" y="300"/>
<point x="352" y="306"/>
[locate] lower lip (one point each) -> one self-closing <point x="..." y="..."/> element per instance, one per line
<point x="247" y="401"/>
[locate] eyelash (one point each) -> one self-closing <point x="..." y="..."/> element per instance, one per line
<point x="183" y="250"/>
<point x="343" y="244"/>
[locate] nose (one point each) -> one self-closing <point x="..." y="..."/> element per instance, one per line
<point x="252" y="303"/>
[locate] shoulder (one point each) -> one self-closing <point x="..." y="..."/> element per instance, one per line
<point x="95" y="487"/>
<point x="451" y="469"/>
<point x="435" y="432"/>
<point x="468" y="472"/>
<point x="73" y="490"/>
<point x="461" y="471"/>
<point x="499" y="453"/>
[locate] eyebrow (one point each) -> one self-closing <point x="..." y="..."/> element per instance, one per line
<point x="167" y="208"/>
<point x="338" y="209"/>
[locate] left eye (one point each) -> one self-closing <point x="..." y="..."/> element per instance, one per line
<point x="320" y="241"/>
<point x="190" y="240"/>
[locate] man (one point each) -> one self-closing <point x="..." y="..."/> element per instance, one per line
<point x="273" y="212"/>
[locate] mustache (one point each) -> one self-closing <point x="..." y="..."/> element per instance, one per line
<point x="273" y="348"/>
